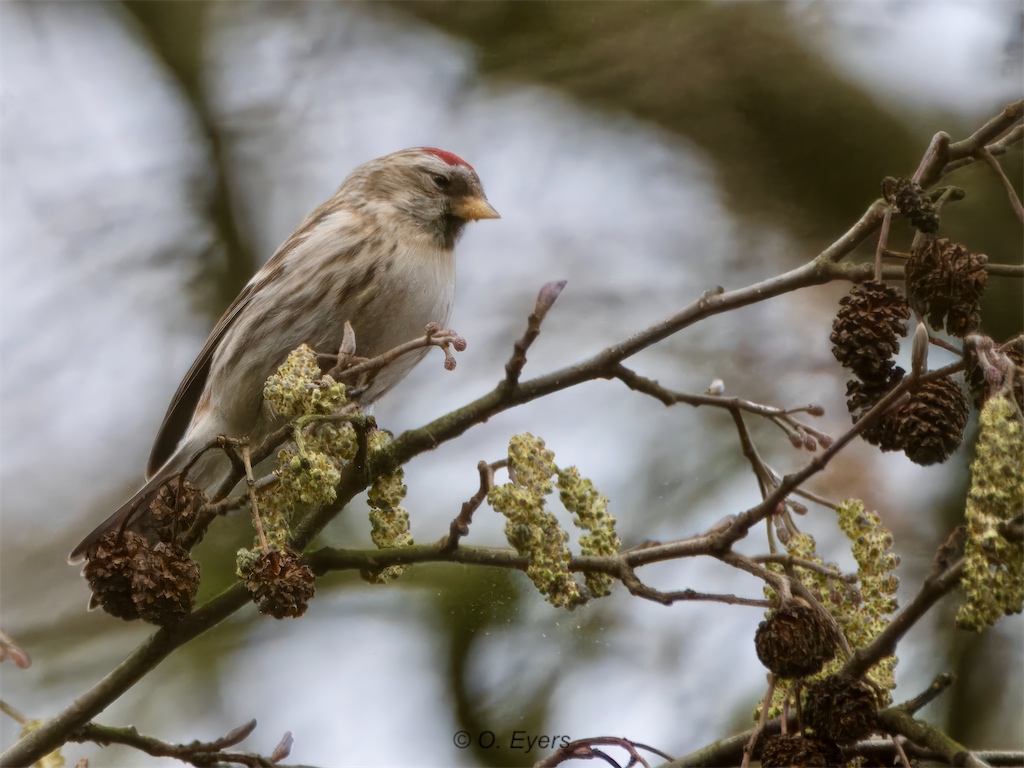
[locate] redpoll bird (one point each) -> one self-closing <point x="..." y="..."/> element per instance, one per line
<point x="379" y="254"/>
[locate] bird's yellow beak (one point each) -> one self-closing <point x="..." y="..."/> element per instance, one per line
<point x="474" y="208"/>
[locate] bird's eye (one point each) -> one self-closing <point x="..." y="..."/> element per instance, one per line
<point x="442" y="182"/>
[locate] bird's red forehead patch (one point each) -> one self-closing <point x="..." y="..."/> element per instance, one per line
<point x="449" y="157"/>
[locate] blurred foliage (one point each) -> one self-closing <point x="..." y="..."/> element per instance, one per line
<point x="794" y="141"/>
<point x="789" y="135"/>
<point x="176" y="33"/>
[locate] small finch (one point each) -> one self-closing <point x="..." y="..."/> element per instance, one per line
<point x="379" y="255"/>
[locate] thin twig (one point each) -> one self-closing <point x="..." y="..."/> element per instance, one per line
<point x="781" y="417"/>
<point x="636" y="587"/>
<point x="197" y="753"/>
<point x="883" y="241"/>
<point x="460" y="525"/>
<point x="809" y="565"/>
<point x="996" y="148"/>
<point x="935" y="586"/>
<point x="583" y="749"/>
<point x="434" y="337"/>
<point x="250" y="483"/>
<point x="1011" y="193"/>
<point x="939" y="686"/>
<point x="748" y="749"/>
<point x="545" y="299"/>
<point x="905" y="761"/>
<point x="765" y="479"/>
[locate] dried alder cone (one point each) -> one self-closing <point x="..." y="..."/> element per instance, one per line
<point x="281" y="584"/>
<point x="842" y="709"/>
<point x="143" y="572"/>
<point x="795" y="641"/>
<point x="945" y="282"/>
<point x="132" y="579"/>
<point x="861" y="397"/>
<point x="912" y="202"/>
<point x="867" y="329"/>
<point x="866" y="332"/>
<point x="789" y="750"/>
<point x="931" y="425"/>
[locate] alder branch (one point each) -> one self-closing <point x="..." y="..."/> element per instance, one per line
<point x="781" y="417"/>
<point x="584" y="749"/>
<point x="996" y="148"/>
<point x="636" y="587"/>
<point x="789" y="561"/>
<point x="197" y="753"/>
<point x="460" y="525"/>
<point x="511" y="393"/>
<point x="965" y="151"/>
<point x="938" y="686"/>
<point x="545" y="300"/>
<point x="1011" y="193"/>
<point x="900" y="722"/>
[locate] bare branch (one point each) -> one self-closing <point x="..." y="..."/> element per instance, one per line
<point x="545" y="300"/>
<point x="636" y="587"/>
<point x="584" y="749"/>
<point x="351" y="369"/>
<point x="790" y="561"/>
<point x="936" y="689"/>
<point x="896" y="721"/>
<point x="460" y="525"/>
<point x="1011" y="193"/>
<point x="197" y="753"/>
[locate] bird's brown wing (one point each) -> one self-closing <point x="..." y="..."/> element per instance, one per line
<point x="183" y="404"/>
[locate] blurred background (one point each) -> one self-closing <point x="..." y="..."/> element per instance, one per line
<point x="155" y="154"/>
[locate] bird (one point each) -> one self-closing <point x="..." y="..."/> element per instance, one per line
<point x="379" y="255"/>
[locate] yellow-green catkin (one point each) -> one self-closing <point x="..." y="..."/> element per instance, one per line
<point x="389" y="520"/>
<point x="863" y="620"/>
<point x="298" y="389"/>
<point x="308" y="468"/>
<point x="530" y="527"/>
<point x="590" y="511"/>
<point x="535" y="532"/>
<point x="993" y="580"/>
<point x="861" y="609"/>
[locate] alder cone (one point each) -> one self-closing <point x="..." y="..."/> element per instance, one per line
<point x="911" y="201"/>
<point x="862" y="396"/>
<point x="281" y="584"/>
<point x="945" y="282"/>
<point x="795" y="641"/>
<point x="131" y="579"/>
<point x="867" y="328"/>
<point x="841" y="709"/>
<point x="931" y="425"/>
<point x="790" y="749"/>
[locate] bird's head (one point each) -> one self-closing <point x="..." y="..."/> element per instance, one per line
<point x="430" y="187"/>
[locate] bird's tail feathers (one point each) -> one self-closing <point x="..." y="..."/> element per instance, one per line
<point x="121" y="517"/>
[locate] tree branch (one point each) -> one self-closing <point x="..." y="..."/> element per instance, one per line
<point x="511" y="393"/>
<point x="197" y="753"/>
